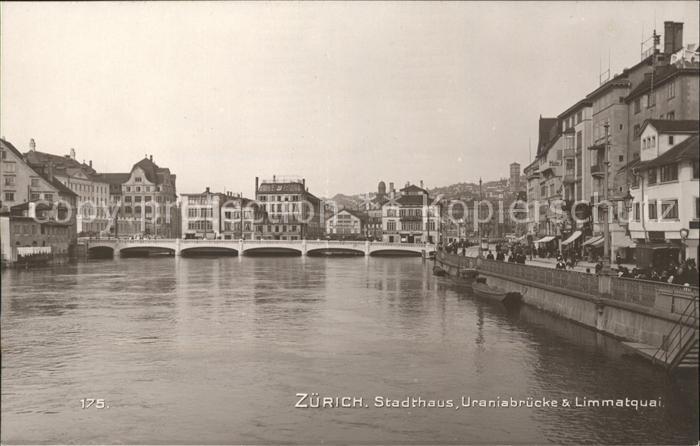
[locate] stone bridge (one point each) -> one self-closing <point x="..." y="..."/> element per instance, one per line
<point x="239" y="247"/>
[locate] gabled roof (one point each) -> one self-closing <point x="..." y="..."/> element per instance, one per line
<point x="673" y="126"/>
<point x="687" y="150"/>
<point x="413" y="188"/>
<point x="150" y="169"/>
<point x="7" y="145"/>
<point x="661" y="75"/>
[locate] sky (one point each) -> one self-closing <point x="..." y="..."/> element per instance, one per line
<point x="341" y="94"/>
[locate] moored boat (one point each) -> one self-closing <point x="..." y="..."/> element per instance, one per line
<point x="438" y="271"/>
<point x="485" y="291"/>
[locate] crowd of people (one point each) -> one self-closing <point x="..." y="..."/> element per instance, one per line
<point x="683" y="273"/>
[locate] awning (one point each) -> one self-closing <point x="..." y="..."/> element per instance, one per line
<point x="626" y="243"/>
<point x="573" y="237"/>
<point x="592" y="240"/>
<point x="599" y="243"/>
<point x="545" y="239"/>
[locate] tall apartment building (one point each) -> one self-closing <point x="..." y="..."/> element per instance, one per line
<point x="149" y="202"/>
<point x="291" y="211"/>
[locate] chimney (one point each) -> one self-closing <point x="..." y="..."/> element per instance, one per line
<point x="256" y="184"/>
<point x="32" y="145"/>
<point x="673" y="37"/>
<point x="274" y="178"/>
<point x="49" y="171"/>
<point x="72" y="153"/>
<point x="421" y="184"/>
<point x="207" y="189"/>
<point x="91" y="164"/>
<point x="391" y="187"/>
<point x="150" y="158"/>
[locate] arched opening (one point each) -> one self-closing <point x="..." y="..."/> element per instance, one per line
<point x="209" y="252"/>
<point x="100" y="252"/>
<point x="395" y="253"/>
<point x="334" y="252"/>
<point x="146" y="252"/>
<point x="272" y="252"/>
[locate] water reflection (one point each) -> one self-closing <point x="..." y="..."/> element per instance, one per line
<point x="213" y="350"/>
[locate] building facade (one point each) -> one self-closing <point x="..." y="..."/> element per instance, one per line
<point x="92" y="192"/>
<point x="346" y="223"/>
<point x="149" y="202"/>
<point x="291" y="211"/>
<point x="412" y="217"/>
<point x="665" y="193"/>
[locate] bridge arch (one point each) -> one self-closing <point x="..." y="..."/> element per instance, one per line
<point x="389" y="252"/>
<point x="206" y="251"/>
<point x="100" y="252"/>
<point x="146" y="251"/>
<point x="319" y="252"/>
<point x="273" y="251"/>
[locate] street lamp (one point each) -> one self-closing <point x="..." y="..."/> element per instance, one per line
<point x="627" y="200"/>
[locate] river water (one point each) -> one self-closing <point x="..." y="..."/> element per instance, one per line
<point x="214" y="350"/>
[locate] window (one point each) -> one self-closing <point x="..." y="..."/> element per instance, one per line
<point x="48" y="197"/>
<point x="137" y="179"/>
<point x="670" y="140"/>
<point x="391" y="225"/>
<point x="669" y="173"/>
<point x="147" y="198"/>
<point x="127" y="199"/>
<point x="669" y="210"/>
<point x="652" y="211"/>
<point x="636" y="131"/>
<point x="128" y="189"/>
<point x="637" y="211"/>
<point x="651" y="100"/>
<point x="671" y="90"/>
<point x="9" y="196"/>
<point x="652" y="176"/>
<point x="10" y="167"/>
<point x="138" y="189"/>
<point x="9" y="181"/>
<point x="579" y="116"/>
<point x="34" y="196"/>
<point x="637" y="105"/>
<point x="697" y="208"/>
<point x="696" y="170"/>
<point x="35" y="182"/>
<point x="671" y="116"/>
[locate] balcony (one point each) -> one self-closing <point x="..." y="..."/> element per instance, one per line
<point x="598" y="170"/>
<point x="569" y="177"/>
<point x="411" y="218"/>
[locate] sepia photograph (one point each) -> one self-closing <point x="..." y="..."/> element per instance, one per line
<point x="339" y="222"/>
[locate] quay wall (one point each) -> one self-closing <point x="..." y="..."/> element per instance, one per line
<point x="643" y="312"/>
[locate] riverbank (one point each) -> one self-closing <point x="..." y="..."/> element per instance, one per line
<point x="649" y="314"/>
